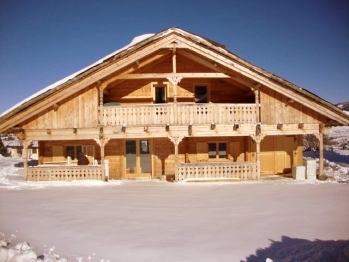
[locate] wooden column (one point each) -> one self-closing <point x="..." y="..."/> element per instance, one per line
<point x="174" y="80"/>
<point x="320" y="137"/>
<point x="258" y="139"/>
<point x="102" y="143"/>
<point x="176" y="140"/>
<point x="256" y="94"/>
<point x="321" y="154"/>
<point x="100" y="92"/>
<point x="25" y="144"/>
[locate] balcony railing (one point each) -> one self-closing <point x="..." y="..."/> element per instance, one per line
<point x="160" y="114"/>
<point x="223" y="170"/>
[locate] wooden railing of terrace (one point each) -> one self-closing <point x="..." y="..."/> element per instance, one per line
<point x="159" y="114"/>
<point x="222" y="170"/>
<point x="65" y="173"/>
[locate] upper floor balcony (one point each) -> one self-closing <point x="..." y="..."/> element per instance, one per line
<point x="179" y="114"/>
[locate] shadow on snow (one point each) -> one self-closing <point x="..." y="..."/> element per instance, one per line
<point x="294" y="249"/>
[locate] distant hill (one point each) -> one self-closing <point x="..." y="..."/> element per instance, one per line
<point x="343" y="105"/>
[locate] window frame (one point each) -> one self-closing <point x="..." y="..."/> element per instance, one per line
<point x="217" y="155"/>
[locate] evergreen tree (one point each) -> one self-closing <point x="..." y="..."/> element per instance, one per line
<point x="3" y="149"/>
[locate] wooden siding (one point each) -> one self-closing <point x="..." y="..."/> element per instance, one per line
<point x="80" y="111"/>
<point x="277" y="108"/>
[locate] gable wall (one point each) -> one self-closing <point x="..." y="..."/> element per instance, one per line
<point x="275" y="108"/>
<point x="80" y="111"/>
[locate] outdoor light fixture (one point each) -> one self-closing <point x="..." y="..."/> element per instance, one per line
<point x="300" y="125"/>
<point x="213" y="125"/>
<point x="101" y="130"/>
<point x="236" y="126"/>
<point x="279" y="125"/>
<point x="145" y="128"/>
<point x="48" y="131"/>
<point x="258" y="129"/>
<point x="75" y="130"/>
<point x="123" y="128"/>
<point x="167" y="128"/>
<point x="190" y="129"/>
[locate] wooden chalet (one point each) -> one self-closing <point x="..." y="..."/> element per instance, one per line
<point x="173" y="106"/>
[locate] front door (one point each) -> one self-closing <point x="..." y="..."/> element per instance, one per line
<point x="138" y="158"/>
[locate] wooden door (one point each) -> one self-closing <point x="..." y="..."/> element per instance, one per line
<point x="138" y="158"/>
<point x="277" y="154"/>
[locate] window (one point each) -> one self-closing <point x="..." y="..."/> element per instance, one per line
<point x="201" y="94"/>
<point x="217" y="150"/>
<point x="160" y="95"/>
<point x="74" y="151"/>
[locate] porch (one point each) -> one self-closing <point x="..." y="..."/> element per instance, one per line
<point x="183" y="113"/>
<point x="223" y="170"/>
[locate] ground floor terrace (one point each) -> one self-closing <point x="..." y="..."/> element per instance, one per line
<point x="167" y="158"/>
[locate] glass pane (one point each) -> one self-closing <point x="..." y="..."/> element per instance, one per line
<point x="212" y="150"/>
<point x="160" y="95"/>
<point x="130" y="156"/>
<point x="201" y="94"/>
<point x="145" y="161"/>
<point x="222" y="150"/>
<point x="70" y="152"/>
<point x="79" y="151"/>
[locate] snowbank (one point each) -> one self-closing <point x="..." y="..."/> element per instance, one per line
<point x="22" y="252"/>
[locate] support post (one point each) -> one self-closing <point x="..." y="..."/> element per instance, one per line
<point x="25" y="144"/>
<point x="174" y="80"/>
<point x="176" y="140"/>
<point x="322" y="130"/>
<point x="102" y="143"/>
<point x="321" y="154"/>
<point x="258" y="139"/>
<point x="256" y="93"/>
<point x="100" y="93"/>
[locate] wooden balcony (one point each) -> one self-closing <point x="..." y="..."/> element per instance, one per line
<point x="223" y="170"/>
<point x="180" y="114"/>
<point x="64" y="173"/>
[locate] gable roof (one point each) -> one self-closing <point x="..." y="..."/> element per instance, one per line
<point x="225" y="57"/>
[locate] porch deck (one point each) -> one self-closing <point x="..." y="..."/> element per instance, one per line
<point x="183" y="113"/>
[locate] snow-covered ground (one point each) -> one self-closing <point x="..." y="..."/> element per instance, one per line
<point x="278" y="218"/>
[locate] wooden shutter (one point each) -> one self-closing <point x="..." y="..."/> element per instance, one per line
<point x="90" y="154"/>
<point x="201" y="151"/>
<point x="235" y="151"/>
<point x="58" y="154"/>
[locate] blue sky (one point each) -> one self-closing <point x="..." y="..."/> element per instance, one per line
<point x="303" y="41"/>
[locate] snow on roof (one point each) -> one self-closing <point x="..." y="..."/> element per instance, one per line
<point x="135" y="40"/>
